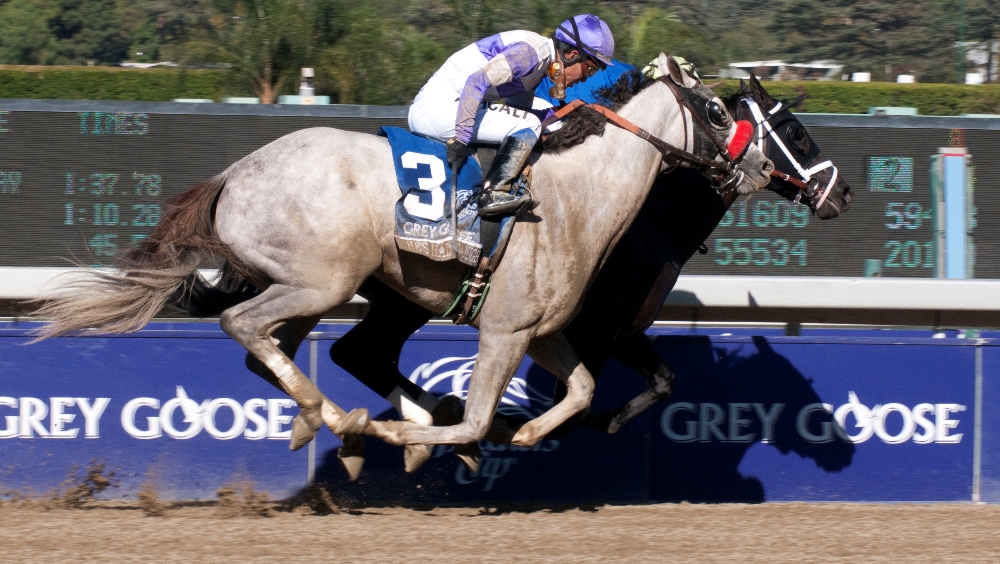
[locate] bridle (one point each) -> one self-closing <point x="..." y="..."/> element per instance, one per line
<point x="728" y="172"/>
<point x="807" y="183"/>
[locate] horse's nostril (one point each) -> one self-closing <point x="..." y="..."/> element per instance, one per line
<point x="767" y="167"/>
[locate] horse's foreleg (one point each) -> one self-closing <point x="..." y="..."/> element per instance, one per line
<point x="557" y="356"/>
<point x="499" y="357"/>
<point x="252" y="323"/>
<point x="637" y="352"/>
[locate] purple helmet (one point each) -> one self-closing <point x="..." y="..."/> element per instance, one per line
<point x="590" y="35"/>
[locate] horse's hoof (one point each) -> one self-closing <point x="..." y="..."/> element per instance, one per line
<point x="616" y="424"/>
<point x="354" y="423"/>
<point x="414" y="456"/>
<point x="525" y="437"/>
<point x="352" y="456"/>
<point x="304" y="427"/>
<point x="470" y="455"/>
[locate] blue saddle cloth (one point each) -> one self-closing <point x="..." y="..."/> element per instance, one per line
<point x="423" y="212"/>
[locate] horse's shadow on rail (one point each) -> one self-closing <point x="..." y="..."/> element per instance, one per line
<point x="727" y="399"/>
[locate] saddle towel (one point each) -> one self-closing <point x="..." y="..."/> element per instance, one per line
<point x="423" y="212"/>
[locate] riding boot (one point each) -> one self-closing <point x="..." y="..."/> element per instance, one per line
<point x="495" y="198"/>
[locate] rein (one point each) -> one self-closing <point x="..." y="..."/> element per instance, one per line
<point x="662" y="146"/>
<point x="763" y="123"/>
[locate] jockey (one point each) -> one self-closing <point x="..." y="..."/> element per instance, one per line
<point x="454" y="104"/>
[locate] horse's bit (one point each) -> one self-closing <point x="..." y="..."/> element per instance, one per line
<point x="806" y="174"/>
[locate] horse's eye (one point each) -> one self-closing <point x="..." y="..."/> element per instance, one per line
<point x="717" y="114"/>
<point x="800" y="139"/>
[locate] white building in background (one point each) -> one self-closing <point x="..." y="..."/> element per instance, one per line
<point x="780" y="70"/>
<point x="979" y="62"/>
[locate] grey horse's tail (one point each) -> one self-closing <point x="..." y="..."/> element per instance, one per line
<point x="148" y="276"/>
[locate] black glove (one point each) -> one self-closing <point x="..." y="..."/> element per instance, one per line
<point x="457" y="152"/>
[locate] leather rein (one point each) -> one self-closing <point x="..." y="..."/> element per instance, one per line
<point x="666" y="149"/>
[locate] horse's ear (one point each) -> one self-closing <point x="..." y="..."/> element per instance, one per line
<point x="677" y="73"/>
<point x="662" y="64"/>
<point x="759" y="94"/>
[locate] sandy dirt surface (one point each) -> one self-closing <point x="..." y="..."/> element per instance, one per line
<point x="675" y="532"/>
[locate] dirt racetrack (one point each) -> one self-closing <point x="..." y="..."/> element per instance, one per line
<point x="671" y="532"/>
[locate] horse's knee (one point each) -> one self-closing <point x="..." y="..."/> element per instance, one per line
<point x="580" y="391"/>
<point x="236" y="326"/>
<point x="472" y="431"/>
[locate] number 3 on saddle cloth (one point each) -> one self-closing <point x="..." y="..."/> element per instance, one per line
<point x="423" y="213"/>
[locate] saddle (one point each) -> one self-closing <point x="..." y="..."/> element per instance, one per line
<point x="436" y="216"/>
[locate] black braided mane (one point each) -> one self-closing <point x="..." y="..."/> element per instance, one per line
<point x="584" y="122"/>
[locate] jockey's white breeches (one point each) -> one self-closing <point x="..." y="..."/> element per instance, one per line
<point x="434" y="111"/>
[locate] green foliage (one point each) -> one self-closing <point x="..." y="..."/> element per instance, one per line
<point x="382" y="53"/>
<point x="104" y="83"/>
<point x="159" y="85"/>
<point x="25" y="38"/>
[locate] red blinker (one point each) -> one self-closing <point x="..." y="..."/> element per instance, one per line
<point x="741" y="140"/>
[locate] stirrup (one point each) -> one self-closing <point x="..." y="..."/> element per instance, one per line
<point x="500" y="202"/>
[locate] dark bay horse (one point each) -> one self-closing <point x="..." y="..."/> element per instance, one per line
<point x="309" y="217"/>
<point x="627" y="293"/>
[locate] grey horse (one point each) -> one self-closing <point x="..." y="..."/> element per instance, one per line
<point x="309" y="217"/>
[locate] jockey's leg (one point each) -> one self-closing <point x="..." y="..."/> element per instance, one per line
<point x="517" y="132"/>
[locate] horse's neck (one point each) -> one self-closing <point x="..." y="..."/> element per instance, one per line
<point x="613" y="173"/>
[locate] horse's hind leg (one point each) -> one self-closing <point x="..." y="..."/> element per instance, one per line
<point x="557" y="356"/>
<point x="252" y="324"/>
<point x="636" y="352"/>
<point x="289" y="337"/>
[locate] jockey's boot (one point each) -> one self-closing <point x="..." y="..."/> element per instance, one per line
<point x="495" y="198"/>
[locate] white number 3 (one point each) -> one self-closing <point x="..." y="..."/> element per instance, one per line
<point x="433" y="211"/>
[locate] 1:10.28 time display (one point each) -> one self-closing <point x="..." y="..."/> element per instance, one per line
<point x="137" y="215"/>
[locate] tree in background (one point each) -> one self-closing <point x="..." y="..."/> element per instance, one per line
<point x="159" y="27"/>
<point x="263" y="43"/>
<point x="983" y="25"/>
<point x="25" y="38"/>
<point x="883" y="37"/>
<point x="90" y="31"/>
<point x="376" y="61"/>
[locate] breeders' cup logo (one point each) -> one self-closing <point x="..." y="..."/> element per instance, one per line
<point x="450" y="376"/>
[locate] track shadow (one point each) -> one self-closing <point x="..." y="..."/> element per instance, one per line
<point x="727" y="399"/>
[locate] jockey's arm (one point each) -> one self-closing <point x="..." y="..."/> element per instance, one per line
<point x="513" y="62"/>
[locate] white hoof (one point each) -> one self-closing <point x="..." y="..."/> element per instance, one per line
<point x="304" y="427"/>
<point x="352" y="456"/>
<point x="414" y="456"/>
<point x="525" y="437"/>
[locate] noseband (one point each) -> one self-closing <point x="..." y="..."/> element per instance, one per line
<point x="805" y="174"/>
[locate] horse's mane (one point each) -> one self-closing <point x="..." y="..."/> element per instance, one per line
<point x="584" y="122"/>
